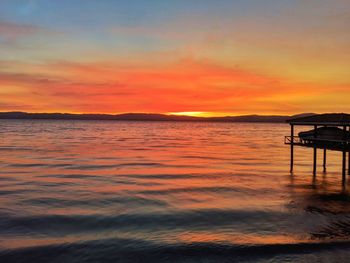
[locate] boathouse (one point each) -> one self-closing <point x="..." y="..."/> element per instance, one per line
<point x="330" y="132"/>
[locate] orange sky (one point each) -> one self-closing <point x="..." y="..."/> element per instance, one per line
<point x="234" y="57"/>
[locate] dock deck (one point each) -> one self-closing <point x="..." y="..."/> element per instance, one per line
<point x="340" y="120"/>
<point x="333" y="145"/>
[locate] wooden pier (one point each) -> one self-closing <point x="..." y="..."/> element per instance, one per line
<point x="315" y="141"/>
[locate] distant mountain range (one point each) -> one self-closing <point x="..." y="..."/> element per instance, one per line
<point x="146" y="117"/>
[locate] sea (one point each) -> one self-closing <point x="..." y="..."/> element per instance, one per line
<point x="120" y="191"/>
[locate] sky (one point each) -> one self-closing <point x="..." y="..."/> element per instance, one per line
<point x="192" y="57"/>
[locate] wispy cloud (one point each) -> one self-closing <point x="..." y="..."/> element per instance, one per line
<point x="11" y="32"/>
<point x="187" y="85"/>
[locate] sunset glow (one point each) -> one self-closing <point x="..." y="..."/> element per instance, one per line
<point x="192" y="113"/>
<point x="207" y="58"/>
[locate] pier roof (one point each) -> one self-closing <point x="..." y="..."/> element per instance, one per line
<point x="330" y="119"/>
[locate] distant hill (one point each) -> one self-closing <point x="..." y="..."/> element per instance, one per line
<point x="146" y="117"/>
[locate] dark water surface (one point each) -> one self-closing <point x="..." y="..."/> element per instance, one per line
<point x="100" y="191"/>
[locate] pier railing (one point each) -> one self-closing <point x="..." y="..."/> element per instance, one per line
<point x="318" y="142"/>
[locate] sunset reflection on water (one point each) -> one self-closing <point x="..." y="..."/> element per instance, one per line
<point x="157" y="186"/>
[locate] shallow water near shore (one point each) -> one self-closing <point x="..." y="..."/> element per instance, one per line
<point x="104" y="191"/>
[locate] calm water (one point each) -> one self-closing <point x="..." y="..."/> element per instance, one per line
<point x="95" y="191"/>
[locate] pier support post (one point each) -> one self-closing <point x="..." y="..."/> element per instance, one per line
<point x="324" y="159"/>
<point x="349" y="163"/>
<point x="315" y="160"/>
<point x="348" y="156"/>
<point x="344" y="166"/>
<point x="315" y="151"/>
<point x="291" y="147"/>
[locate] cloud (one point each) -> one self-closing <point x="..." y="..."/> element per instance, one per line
<point x="187" y="85"/>
<point x="42" y="81"/>
<point x="11" y="32"/>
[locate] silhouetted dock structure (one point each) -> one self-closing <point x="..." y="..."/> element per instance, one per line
<point x="330" y="132"/>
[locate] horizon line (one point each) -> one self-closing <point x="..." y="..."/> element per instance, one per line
<point x="173" y="114"/>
